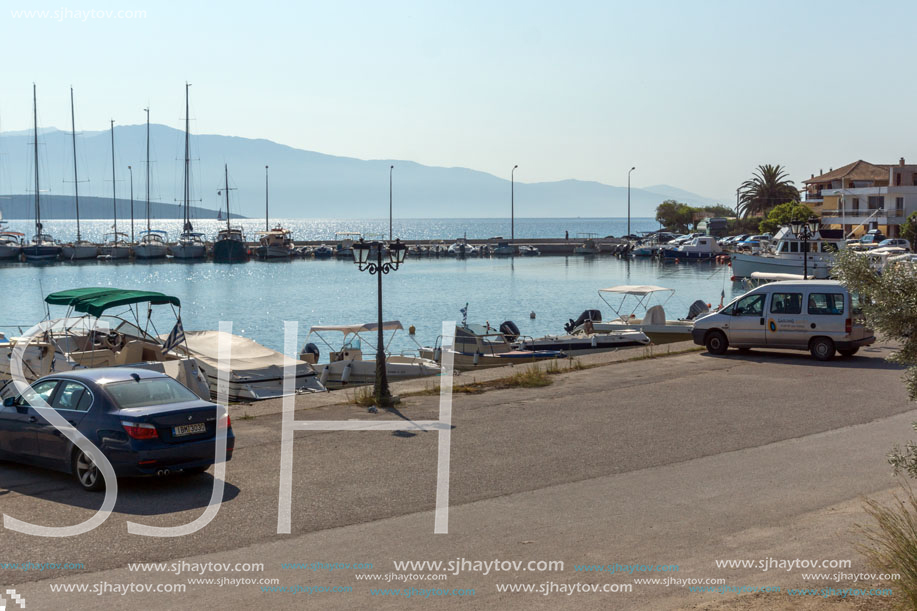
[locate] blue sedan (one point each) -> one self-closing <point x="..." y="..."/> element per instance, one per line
<point x="145" y="423"/>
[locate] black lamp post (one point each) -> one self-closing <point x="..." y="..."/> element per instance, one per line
<point x="361" y="256"/>
<point x="806" y="230"/>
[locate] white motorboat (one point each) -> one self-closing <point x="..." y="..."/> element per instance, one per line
<point x="654" y="322"/>
<point x="345" y="240"/>
<point x="80" y="249"/>
<point x="788" y="254"/>
<point x="102" y="329"/>
<point x="275" y="244"/>
<point x="482" y="346"/>
<point x="255" y="372"/>
<point x="703" y="247"/>
<point x="462" y="248"/>
<point x="348" y="367"/>
<point x="582" y="343"/>
<point x="503" y="249"/>
<point x="589" y="246"/>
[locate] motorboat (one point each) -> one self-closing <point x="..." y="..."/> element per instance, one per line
<point x="10" y="243"/>
<point x="583" y="343"/>
<point x="482" y="346"/>
<point x="653" y="323"/>
<point x="345" y="240"/>
<point x="116" y="246"/>
<point x="103" y="327"/>
<point x="703" y="247"/>
<point x="589" y="245"/>
<point x="323" y="252"/>
<point x="347" y="366"/>
<point x="275" y="244"/>
<point x="254" y="372"/>
<point x="503" y="249"/>
<point x="152" y="245"/>
<point x="789" y="253"/>
<point x="528" y="251"/>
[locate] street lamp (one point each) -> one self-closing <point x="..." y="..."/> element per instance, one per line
<point x="628" y="198"/>
<point x="361" y="257"/>
<point x="390" y="169"/>
<point x="131" y="170"/>
<point x="806" y="230"/>
<point x="512" y="205"/>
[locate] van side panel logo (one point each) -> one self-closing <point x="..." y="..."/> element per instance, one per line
<point x="772" y="325"/>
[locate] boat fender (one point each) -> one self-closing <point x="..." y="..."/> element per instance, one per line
<point x="345" y="376"/>
<point x="411" y="330"/>
<point x="477" y="357"/>
<point x="324" y="378"/>
<point x="438" y="354"/>
<point x="312" y="349"/>
<point x="509" y="330"/>
<point x="593" y="341"/>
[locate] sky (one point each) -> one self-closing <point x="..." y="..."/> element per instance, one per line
<point x="695" y="94"/>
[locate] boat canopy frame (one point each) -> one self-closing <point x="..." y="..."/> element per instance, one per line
<point x="643" y="294"/>
<point x="357" y="330"/>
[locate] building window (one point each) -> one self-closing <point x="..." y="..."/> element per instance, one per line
<point x="856" y="203"/>
<point x="876" y="202"/>
<point x="898" y="179"/>
<point x="899" y="204"/>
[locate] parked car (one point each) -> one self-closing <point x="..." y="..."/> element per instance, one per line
<point x="899" y="242"/>
<point x="820" y="316"/>
<point x="145" y="423"/>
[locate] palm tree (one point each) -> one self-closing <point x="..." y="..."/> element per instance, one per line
<point x="768" y="187"/>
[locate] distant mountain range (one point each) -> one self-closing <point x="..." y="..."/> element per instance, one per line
<point x="303" y="184"/>
<point x="13" y="207"/>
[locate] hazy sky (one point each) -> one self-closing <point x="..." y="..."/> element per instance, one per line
<point x="695" y="94"/>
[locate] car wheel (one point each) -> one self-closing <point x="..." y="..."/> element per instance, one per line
<point x="86" y="472"/>
<point x="822" y="348"/>
<point x="716" y="343"/>
<point x="195" y="470"/>
<point x="849" y="351"/>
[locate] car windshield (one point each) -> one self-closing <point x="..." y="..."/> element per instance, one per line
<point x="149" y="391"/>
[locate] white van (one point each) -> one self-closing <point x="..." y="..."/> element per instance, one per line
<point x="815" y="315"/>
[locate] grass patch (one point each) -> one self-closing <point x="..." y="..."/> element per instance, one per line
<point x="558" y="366"/>
<point x="363" y="396"/>
<point x="892" y="542"/>
<point x="529" y="377"/>
<point x="245" y="417"/>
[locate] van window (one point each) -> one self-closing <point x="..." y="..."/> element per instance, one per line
<point x="752" y="305"/>
<point x="786" y="303"/>
<point x="826" y="303"/>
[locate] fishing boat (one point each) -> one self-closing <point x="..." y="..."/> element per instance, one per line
<point x="275" y="244"/>
<point x="348" y="367"/>
<point x="116" y="245"/>
<point x="229" y="246"/>
<point x="589" y="245"/>
<point x="80" y="249"/>
<point x="482" y="346"/>
<point x="703" y="247"/>
<point x="190" y="244"/>
<point x="103" y="327"/>
<point x="789" y="252"/>
<point x="254" y="372"/>
<point x="653" y="322"/>
<point x="42" y="247"/>
<point x="153" y="242"/>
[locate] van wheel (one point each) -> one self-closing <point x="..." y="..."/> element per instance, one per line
<point x="716" y="343"/>
<point x="86" y="472"/>
<point x="849" y="351"/>
<point x="822" y="348"/>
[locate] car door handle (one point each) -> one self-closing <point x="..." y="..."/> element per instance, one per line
<point x="33" y="419"/>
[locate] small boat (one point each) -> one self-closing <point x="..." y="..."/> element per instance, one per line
<point x="704" y="247"/>
<point x="323" y="252"/>
<point x="582" y="343"/>
<point x="101" y="329"/>
<point x="255" y="372"/>
<point x="589" y="246"/>
<point x="462" y="248"/>
<point x="42" y="247"/>
<point x="10" y="243"/>
<point x="80" y="249"/>
<point x="275" y="244"/>
<point x="229" y="246"/>
<point x="190" y="245"/>
<point x="348" y="367"/>
<point x="345" y="240"/>
<point x="503" y="249"/>
<point x="654" y="323"/>
<point x="482" y="346"/>
<point x="528" y="251"/>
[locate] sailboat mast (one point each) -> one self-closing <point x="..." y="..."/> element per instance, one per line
<point x="76" y="183"/>
<point x="114" y="193"/>
<point x="187" y="163"/>
<point x="226" y="188"/>
<point x="266" y="223"/>
<point x="37" y="202"/>
<point x="147" y="171"/>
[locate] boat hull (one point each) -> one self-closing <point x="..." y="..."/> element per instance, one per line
<point x="274" y="252"/>
<point x="188" y="251"/>
<point x="79" y="252"/>
<point x="574" y="345"/>
<point x="744" y="265"/>
<point x="10" y="252"/>
<point x="689" y="256"/>
<point x="229" y="251"/>
<point x="115" y="252"/>
<point x="37" y="254"/>
<point x="672" y="331"/>
<point x="150" y="251"/>
<point x="341" y="374"/>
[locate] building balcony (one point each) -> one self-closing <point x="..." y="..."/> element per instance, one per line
<point x="857" y="216"/>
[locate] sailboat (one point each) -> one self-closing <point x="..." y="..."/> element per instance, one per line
<point x="152" y="241"/>
<point x="116" y="245"/>
<point x="230" y="243"/>
<point x="43" y="247"/>
<point x="190" y="244"/>
<point x="81" y="249"/>
<point x="10" y="241"/>
<point x="276" y="243"/>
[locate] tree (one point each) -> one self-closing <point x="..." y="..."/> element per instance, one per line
<point x="783" y="215"/>
<point x="909" y="229"/>
<point x="675" y="216"/>
<point x="719" y="210"/>
<point x="767" y="188"/>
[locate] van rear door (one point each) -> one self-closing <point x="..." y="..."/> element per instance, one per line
<point x="827" y="311"/>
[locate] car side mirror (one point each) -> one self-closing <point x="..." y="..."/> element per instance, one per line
<point x="9" y="402"/>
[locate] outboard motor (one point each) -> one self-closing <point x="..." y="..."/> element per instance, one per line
<point x="697" y="308"/>
<point x="593" y="315"/>
<point x="310" y="353"/>
<point x="509" y="330"/>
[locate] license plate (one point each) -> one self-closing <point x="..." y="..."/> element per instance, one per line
<point x="189" y="429"/>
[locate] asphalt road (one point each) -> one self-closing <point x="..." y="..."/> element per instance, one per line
<point x="675" y="460"/>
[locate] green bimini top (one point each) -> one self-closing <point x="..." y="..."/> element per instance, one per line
<point x="94" y="301"/>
